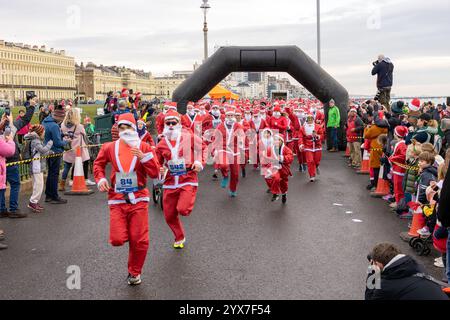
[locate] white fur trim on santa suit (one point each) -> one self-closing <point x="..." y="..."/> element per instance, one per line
<point x="147" y="157"/>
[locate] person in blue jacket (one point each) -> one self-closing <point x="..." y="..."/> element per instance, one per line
<point x="53" y="133"/>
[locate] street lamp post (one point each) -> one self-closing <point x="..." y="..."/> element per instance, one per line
<point x="205" y="7"/>
<point x="318" y="33"/>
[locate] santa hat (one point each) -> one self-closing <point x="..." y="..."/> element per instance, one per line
<point x="414" y="105"/>
<point x="128" y="119"/>
<point x="124" y="93"/>
<point x="255" y="111"/>
<point x="279" y="136"/>
<point x="401" y="131"/>
<point x="230" y="111"/>
<point x="172" y="115"/>
<point x="141" y="121"/>
<point x="277" y="109"/>
<point x="353" y="109"/>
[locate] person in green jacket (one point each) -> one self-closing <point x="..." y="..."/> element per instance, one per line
<point x="334" y="122"/>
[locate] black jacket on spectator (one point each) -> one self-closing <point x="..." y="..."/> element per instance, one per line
<point x="398" y="282"/>
<point x="443" y="212"/>
<point x="19" y="123"/>
<point x="384" y="70"/>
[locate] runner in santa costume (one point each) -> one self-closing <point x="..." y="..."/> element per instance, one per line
<point x="276" y="162"/>
<point x="144" y="135"/>
<point x="160" y="118"/>
<point x="246" y="126"/>
<point x="399" y="157"/>
<point x="182" y="152"/>
<point x="278" y="122"/>
<point x="210" y="124"/>
<point x="128" y="197"/>
<point x="192" y="119"/>
<point x="228" y="149"/>
<point x="257" y="125"/>
<point x="310" y="141"/>
<point x="300" y="120"/>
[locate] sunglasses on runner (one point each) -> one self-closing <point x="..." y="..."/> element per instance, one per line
<point x="171" y="123"/>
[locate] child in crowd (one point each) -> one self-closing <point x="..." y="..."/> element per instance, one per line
<point x="35" y="139"/>
<point x="428" y="173"/>
<point x="409" y="180"/>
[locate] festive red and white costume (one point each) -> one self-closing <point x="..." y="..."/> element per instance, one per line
<point x="399" y="157"/>
<point x="229" y="154"/>
<point x="276" y="167"/>
<point x="312" y="146"/>
<point x="128" y="212"/>
<point x="180" y="191"/>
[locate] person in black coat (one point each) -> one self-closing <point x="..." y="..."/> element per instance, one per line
<point x="400" y="277"/>
<point x="384" y="69"/>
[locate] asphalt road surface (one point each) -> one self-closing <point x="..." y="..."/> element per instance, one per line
<point x="243" y="248"/>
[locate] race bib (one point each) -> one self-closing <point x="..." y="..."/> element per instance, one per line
<point x="177" y="167"/>
<point x="126" y="182"/>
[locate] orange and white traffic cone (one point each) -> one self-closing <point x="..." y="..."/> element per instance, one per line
<point x="382" y="186"/>
<point x="79" y="183"/>
<point x="418" y="222"/>
<point x="347" y="151"/>
<point x="365" y="164"/>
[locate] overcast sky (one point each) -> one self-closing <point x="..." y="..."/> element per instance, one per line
<point x="161" y="36"/>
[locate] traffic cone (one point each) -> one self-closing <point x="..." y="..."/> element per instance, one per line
<point x="382" y="186"/>
<point x="347" y="151"/>
<point x="365" y="164"/>
<point x="79" y="183"/>
<point x="418" y="222"/>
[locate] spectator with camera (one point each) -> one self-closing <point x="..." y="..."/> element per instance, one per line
<point x="399" y="277"/>
<point x="12" y="172"/>
<point x="74" y="130"/>
<point x="383" y="68"/>
<point x="53" y="133"/>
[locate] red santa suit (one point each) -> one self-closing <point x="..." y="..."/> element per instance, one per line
<point x="180" y="188"/>
<point x="280" y="124"/>
<point x="399" y="157"/>
<point x="147" y="138"/>
<point x="276" y="165"/>
<point x="312" y="146"/>
<point x="228" y="150"/>
<point x="193" y="123"/>
<point x="297" y="126"/>
<point x="257" y="125"/>
<point x="128" y="211"/>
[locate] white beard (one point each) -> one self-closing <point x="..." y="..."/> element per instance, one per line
<point x="309" y="128"/>
<point x="130" y="137"/>
<point x="172" y="133"/>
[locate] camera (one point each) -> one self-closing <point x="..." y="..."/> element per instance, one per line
<point x="30" y="95"/>
<point x="375" y="63"/>
<point x="69" y="135"/>
<point x="7" y="111"/>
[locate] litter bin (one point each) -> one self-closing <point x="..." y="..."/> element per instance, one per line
<point x="103" y="125"/>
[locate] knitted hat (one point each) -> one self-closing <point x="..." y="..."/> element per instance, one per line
<point x="128" y="119"/>
<point x="59" y="115"/>
<point x="401" y="131"/>
<point x="38" y="128"/>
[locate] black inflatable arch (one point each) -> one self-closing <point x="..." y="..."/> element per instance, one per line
<point x="290" y="59"/>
